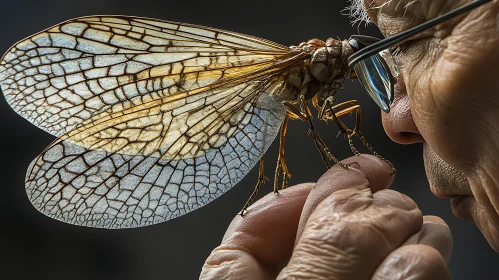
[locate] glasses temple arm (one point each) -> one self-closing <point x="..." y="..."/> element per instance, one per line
<point x="391" y="41"/>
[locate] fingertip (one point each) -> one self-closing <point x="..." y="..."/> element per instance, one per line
<point x="434" y="220"/>
<point x="434" y="233"/>
<point x="378" y="172"/>
<point x="413" y="262"/>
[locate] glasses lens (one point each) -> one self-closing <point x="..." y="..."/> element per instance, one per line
<point x="374" y="74"/>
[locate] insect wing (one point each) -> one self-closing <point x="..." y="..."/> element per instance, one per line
<point x="113" y="190"/>
<point x="62" y="76"/>
<point x="148" y="132"/>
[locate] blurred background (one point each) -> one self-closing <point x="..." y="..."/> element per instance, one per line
<point x="33" y="246"/>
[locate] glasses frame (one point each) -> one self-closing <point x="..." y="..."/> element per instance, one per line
<point x="395" y="40"/>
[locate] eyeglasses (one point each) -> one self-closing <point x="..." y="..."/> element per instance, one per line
<point x="373" y="60"/>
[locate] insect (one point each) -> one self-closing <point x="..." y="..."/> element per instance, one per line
<point x="155" y="119"/>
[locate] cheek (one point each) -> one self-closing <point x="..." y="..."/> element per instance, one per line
<point x="453" y="107"/>
<point x="430" y="109"/>
<point x="428" y="116"/>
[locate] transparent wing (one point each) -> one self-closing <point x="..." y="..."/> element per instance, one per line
<point x="179" y="127"/>
<point x="155" y="118"/>
<point x="59" y="78"/>
<point x="194" y="160"/>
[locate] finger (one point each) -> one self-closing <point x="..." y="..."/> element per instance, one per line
<point x="258" y="245"/>
<point x="351" y="232"/>
<point x="434" y="233"/>
<point x="366" y="171"/>
<point x="413" y="262"/>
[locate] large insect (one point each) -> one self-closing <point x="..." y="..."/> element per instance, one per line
<point x="157" y="118"/>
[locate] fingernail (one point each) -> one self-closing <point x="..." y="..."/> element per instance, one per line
<point x="374" y="168"/>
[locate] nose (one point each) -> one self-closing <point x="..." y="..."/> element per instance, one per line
<point x="399" y="124"/>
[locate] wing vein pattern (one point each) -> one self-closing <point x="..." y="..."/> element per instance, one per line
<point x="60" y="77"/>
<point x="154" y="118"/>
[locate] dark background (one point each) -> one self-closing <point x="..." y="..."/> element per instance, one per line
<point x="33" y="246"/>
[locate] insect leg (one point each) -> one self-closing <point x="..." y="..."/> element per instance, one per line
<point x="281" y="166"/>
<point x="294" y="113"/>
<point x="366" y="144"/>
<point x="319" y="143"/>
<point x="356" y="131"/>
<point x="342" y="127"/>
<point x="281" y="162"/>
<point x="261" y="180"/>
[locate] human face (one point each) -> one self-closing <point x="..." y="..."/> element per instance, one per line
<point x="447" y="97"/>
<point x="374" y="62"/>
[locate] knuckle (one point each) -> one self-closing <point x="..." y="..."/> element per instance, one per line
<point x="313" y="259"/>
<point x="351" y="228"/>
<point x="353" y="221"/>
<point x="226" y="263"/>
<point x="329" y="247"/>
<point x="345" y="235"/>
<point x="395" y="199"/>
<point x="345" y="201"/>
<point x="219" y="258"/>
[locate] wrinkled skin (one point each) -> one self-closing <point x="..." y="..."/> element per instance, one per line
<point x="347" y="226"/>
<point x="448" y="99"/>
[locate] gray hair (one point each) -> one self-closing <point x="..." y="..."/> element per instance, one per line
<point x="357" y="12"/>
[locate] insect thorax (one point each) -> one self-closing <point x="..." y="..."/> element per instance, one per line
<point x="321" y="74"/>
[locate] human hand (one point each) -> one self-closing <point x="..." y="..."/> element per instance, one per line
<point x="349" y="226"/>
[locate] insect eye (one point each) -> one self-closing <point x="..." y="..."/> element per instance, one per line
<point x="359" y="42"/>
